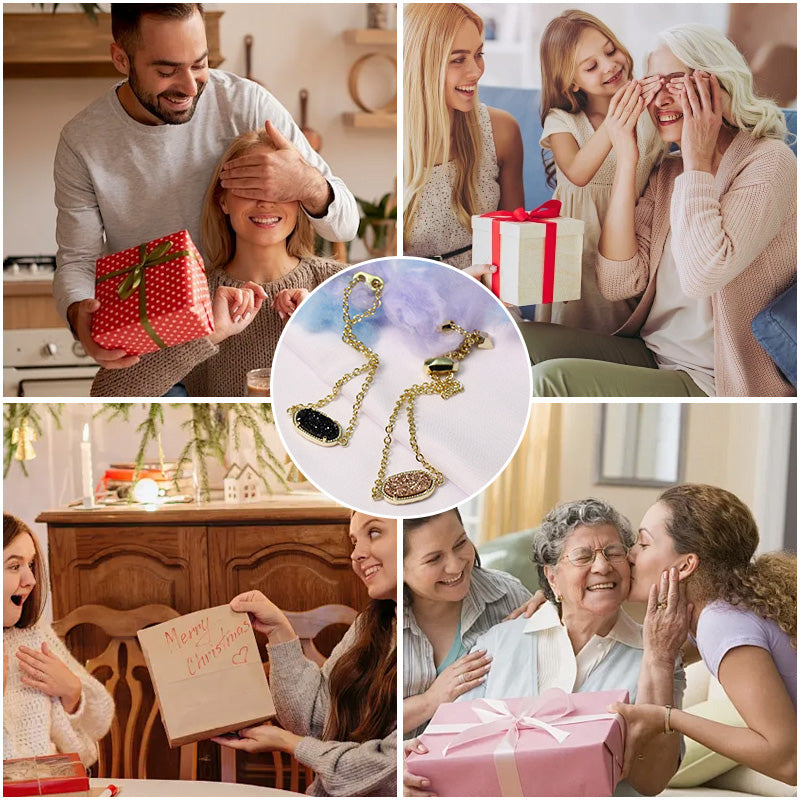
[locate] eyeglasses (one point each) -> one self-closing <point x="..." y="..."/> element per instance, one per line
<point x="583" y="556"/>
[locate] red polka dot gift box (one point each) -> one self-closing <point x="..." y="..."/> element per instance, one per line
<point x="152" y="296"/>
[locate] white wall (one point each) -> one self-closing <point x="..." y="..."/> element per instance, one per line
<point x="727" y="445"/>
<point x="296" y="46"/>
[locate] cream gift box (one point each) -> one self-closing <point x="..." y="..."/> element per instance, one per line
<point x="538" y="254"/>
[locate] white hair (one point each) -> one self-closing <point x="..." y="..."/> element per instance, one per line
<point x="704" y="47"/>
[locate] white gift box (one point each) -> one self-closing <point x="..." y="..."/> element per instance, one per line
<point x="522" y="274"/>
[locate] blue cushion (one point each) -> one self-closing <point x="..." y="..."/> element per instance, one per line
<point x="775" y="329"/>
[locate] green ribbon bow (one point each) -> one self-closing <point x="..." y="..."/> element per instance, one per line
<point x="135" y="280"/>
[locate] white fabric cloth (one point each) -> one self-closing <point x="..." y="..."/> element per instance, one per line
<point x="590" y="203"/>
<point x="35" y="724"/>
<point x="120" y="183"/>
<point x="558" y="666"/>
<point x="679" y="330"/>
<point x="604" y="662"/>
<point x="436" y="229"/>
<point x="468" y="437"/>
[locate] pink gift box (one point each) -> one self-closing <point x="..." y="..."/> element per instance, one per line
<point x="555" y="745"/>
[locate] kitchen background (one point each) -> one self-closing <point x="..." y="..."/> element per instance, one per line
<point x="311" y="46"/>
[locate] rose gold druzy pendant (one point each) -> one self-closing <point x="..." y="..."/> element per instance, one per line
<point x="408" y="487"/>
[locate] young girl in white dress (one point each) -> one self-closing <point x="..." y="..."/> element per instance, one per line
<point x="460" y="157"/>
<point x="585" y="73"/>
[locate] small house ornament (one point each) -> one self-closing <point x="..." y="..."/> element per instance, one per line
<point x="243" y="485"/>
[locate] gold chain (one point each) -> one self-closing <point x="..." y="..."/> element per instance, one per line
<point x="375" y="284"/>
<point x="445" y="385"/>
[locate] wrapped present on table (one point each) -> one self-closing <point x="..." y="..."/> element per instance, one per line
<point x="555" y="745"/>
<point x="152" y="296"/>
<point x="538" y="254"/>
<point x="56" y="774"/>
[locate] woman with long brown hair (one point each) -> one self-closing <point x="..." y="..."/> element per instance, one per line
<point x="743" y="620"/>
<point x="340" y="720"/>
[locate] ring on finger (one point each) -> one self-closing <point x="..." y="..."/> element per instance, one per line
<point x="462" y="678"/>
<point x="661" y="606"/>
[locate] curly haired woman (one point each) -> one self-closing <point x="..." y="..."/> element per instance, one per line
<point x="743" y="620"/>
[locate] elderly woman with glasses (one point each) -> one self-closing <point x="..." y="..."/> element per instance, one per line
<point x="581" y="640"/>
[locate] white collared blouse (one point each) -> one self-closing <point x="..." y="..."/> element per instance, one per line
<point x="492" y="596"/>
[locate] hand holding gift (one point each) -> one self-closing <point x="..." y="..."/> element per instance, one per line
<point x="260" y="739"/>
<point x="80" y="317"/>
<point x="414" y="785"/>
<point x="264" y="615"/>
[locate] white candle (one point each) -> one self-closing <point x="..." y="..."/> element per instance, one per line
<point x="87" y="484"/>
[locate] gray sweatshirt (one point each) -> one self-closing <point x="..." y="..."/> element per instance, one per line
<point x="120" y="183"/>
<point x="302" y="700"/>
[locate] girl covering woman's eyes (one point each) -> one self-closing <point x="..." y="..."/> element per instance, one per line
<point x="584" y="69"/>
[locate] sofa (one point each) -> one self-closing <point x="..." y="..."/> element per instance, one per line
<point x="702" y="773"/>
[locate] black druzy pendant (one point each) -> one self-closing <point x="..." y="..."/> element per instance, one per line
<point x="317" y="427"/>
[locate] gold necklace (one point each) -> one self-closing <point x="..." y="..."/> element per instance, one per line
<point x="414" y="485"/>
<point x="308" y="419"/>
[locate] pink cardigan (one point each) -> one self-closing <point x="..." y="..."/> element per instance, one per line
<point x="734" y="239"/>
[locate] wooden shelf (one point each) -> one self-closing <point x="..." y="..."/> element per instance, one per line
<point x="49" y="45"/>
<point x="371" y="36"/>
<point x="365" y="121"/>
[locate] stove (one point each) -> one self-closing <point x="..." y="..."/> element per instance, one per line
<point x="29" y="268"/>
<point x="45" y="360"/>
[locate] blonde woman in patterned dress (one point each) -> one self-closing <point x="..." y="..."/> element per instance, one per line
<point x="460" y="157"/>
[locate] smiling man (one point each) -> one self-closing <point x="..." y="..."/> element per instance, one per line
<point x="136" y="163"/>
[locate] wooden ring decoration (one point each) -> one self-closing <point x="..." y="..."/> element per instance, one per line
<point x="352" y="84"/>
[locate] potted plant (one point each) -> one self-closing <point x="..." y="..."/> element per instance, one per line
<point x="378" y="226"/>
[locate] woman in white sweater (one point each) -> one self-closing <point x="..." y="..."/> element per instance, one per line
<point x="50" y="702"/>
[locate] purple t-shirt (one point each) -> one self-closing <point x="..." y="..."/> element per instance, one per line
<point x="722" y="627"/>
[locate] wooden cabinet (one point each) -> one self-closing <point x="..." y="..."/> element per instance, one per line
<point x="46" y="45"/>
<point x="295" y="550"/>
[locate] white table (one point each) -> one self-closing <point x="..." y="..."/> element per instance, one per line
<point x="157" y="788"/>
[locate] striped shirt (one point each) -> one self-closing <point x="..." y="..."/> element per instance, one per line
<point x="492" y="596"/>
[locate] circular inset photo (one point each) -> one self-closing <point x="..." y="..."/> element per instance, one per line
<point x="401" y="387"/>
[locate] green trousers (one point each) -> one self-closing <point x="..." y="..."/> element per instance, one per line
<point x="569" y="362"/>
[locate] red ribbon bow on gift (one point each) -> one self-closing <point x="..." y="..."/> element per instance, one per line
<point x="543" y="213"/>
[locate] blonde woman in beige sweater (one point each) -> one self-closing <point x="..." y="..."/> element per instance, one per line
<point x="710" y="243"/>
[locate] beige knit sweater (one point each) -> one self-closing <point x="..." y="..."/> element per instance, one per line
<point x="302" y="700"/>
<point x="209" y="370"/>
<point x="35" y="724"/>
<point x="734" y="239"/>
